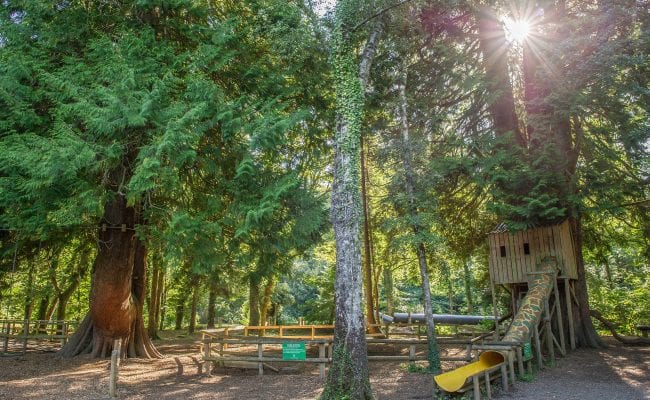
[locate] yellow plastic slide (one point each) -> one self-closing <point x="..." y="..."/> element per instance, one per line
<point x="453" y="381"/>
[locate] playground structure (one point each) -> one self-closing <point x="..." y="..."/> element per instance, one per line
<point x="532" y="265"/>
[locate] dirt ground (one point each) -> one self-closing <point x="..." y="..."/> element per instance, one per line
<point x="617" y="372"/>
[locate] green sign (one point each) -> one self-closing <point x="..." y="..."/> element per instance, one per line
<point x="294" y="351"/>
<point x="528" y="351"/>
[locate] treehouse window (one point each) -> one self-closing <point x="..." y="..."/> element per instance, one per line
<point x="526" y="248"/>
<point x="502" y="249"/>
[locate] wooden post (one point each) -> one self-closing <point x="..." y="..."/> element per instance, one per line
<point x="64" y="333"/>
<point x="511" y="365"/>
<point x="494" y="310"/>
<point x="321" y="354"/>
<point x="549" y="332"/>
<point x="488" y="389"/>
<point x="412" y="353"/>
<point x="558" y="310"/>
<point x="504" y="376"/>
<point x="115" y="363"/>
<point x="25" y="335"/>
<point x="520" y="361"/>
<point x="260" y="365"/>
<point x="538" y="348"/>
<point x="206" y="355"/>
<point x="569" y="313"/>
<point x="6" y="341"/>
<point x="477" y="388"/>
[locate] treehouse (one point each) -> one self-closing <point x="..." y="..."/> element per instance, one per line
<point x="513" y="255"/>
<point x="514" y="258"/>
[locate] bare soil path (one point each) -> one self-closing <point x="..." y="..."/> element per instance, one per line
<point x="620" y="373"/>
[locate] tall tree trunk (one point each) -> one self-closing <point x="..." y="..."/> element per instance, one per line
<point x="550" y="127"/>
<point x="180" y="313"/>
<point x="494" y="48"/>
<point x="586" y="335"/>
<point x="153" y="299"/>
<point x="348" y="375"/>
<point x="162" y="298"/>
<point x="388" y="290"/>
<point x="409" y="183"/>
<point x="29" y="295"/>
<point x="266" y="300"/>
<point x="467" y="274"/>
<point x="367" y="265"/>
<point x="117" y="287"/>
<point x="212" y="302"/>
<point x="253" y="300"/>
<point x="195" y="299"/>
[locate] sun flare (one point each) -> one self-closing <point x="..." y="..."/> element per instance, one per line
<point x="517" y="30"/>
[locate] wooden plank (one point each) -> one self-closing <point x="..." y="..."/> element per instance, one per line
<point x="516" y="256"/>
<point x="569" y="312"/>
<point x="505" y="270"/>
<point x="558" y="314"/>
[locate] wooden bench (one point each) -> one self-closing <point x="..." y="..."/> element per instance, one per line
<point x="644" y="329"/>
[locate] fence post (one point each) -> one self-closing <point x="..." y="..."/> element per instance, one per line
<point x="206" y="354"/>
<point x="25" y="334"/>
<point x="115" y="359"/>
<point x="321" y="354"/>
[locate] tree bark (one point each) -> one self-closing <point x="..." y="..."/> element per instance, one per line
<point x="180" y="313"/>
<point x="153" y="300"/>
<point x="348" y="375"/>
<point x="367" y="265"/>
<point x="266" y="300"/>
<point x="212" y="301"/>
<point x="468" y="287"/>
<point x="549" y="128"/>
<point x="117" y="289"/>
<point x="162" y="296"/>
<point x="494" y="47"/>
<point x="253" y="301"/>
<point x="409" y="183"/>
<point x="195" y="297"/>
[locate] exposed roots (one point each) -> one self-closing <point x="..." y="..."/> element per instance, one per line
<point x="637" y="341"/>
<point x="87" y="340"/>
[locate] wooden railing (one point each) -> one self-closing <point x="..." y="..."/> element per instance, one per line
<point x="292" y="331"/>
<point x="218" y="354"/>
<point x="23" y="330"/>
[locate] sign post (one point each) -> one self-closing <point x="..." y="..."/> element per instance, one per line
<point x="294" y="351"/>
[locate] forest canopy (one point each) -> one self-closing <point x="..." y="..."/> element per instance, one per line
<point x="216" y="162"/>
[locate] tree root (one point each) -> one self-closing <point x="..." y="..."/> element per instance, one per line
<point x="86" y="341"/>
<point x="636" y="341"/>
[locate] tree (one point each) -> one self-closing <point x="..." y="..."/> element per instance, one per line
<point x="348" y="375"/>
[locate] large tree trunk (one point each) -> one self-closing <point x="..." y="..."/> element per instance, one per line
<point x="409" y="183"/>
<point x="467" y="274"/>
<point x="253" y="301"/>
<point x="153" y="299"/>
<point x="195" y="299"/>
<point x="367" y="265"/>
<point x="212" y="303"/>
<point x="550" y="133"/>
<point x="266" y="300"/>
<point x="162" y="298"/>
<point x="348" y="375"/>
<point x="494" y="48"/>
<point x="117" y="289"/>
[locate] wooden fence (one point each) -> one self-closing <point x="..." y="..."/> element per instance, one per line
<point x="24" y="330"/>
<point x="216" y="341"/>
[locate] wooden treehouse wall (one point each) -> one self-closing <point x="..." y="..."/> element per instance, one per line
<point x="513" y="255"/>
